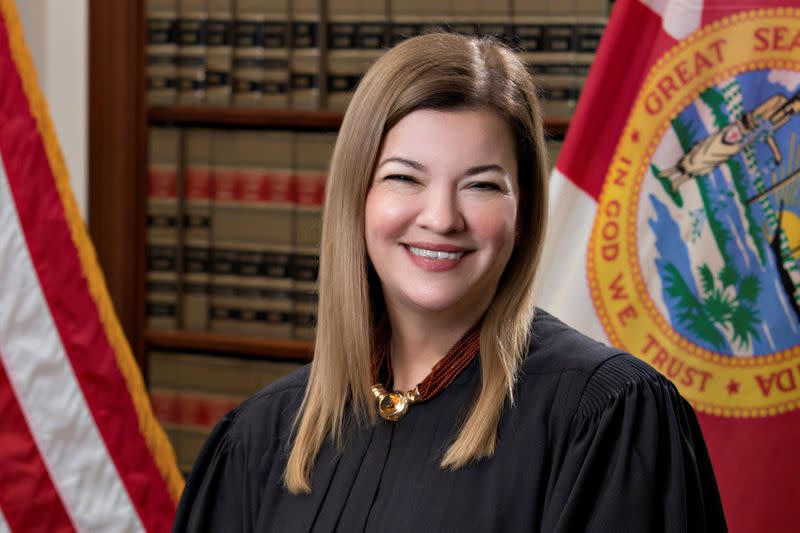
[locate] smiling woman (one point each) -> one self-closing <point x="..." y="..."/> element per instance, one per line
<point x="440" y="224"/>
<point x="440" y="398"/>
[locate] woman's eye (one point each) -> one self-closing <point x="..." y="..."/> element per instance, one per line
<point x="485" y="186"/>
<point x="401" y="178"/>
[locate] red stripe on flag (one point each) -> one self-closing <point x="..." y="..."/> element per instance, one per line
<point x="602" y="111"/>
<point x="29" y="499"/>
<point x="61" y="275"/>
<point x="716" y="9"/>
<point x="771" y="487"/>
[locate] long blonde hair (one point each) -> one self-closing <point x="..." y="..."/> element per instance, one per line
<point x="439" y="71"/>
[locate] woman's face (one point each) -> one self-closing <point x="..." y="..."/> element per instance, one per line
<point x="441" y="211"/>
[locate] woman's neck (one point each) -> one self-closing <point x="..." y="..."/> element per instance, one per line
<point x="419" y="342"/>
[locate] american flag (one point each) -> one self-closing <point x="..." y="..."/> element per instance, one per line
<point x="80" y="449"/>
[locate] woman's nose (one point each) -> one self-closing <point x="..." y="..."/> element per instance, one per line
<point x="441" y="212"/>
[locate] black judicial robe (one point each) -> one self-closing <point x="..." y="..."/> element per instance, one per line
<point x="596" y="441"/>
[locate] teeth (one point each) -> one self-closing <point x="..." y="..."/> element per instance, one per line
<point x="433" y="254"/>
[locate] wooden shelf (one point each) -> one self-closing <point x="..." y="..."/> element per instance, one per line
<point x="290" y="350"/>
<point x="239" y="117"/>
<point x="556" y="127"/>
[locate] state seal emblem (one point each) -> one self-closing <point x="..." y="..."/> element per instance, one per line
<point x="694" y="260"/>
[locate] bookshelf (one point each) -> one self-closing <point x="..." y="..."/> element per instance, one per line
<point x="234" y="117"/>
<point x="284" y="349"/>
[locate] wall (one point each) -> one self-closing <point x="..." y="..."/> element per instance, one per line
<point x="57" y="35"/>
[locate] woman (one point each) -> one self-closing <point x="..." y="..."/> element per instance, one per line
<point x="504" y="419"/>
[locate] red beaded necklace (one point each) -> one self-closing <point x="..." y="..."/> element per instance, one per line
<point x="392" y="405"/>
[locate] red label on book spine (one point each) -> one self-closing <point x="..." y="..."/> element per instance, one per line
<point x="191" y="408"/>
<point x="162" y="181"/>
<point x="198" y="183"/>
<point x="310" y="189"/>
<point x="264" y="185"/>
<point x="224" y="184"/>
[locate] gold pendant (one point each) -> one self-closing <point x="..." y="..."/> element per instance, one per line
<point x="393" y="405"/>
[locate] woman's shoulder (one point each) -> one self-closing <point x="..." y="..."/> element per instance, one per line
<point x="613" y="421"/>
<point x="555" y="347"/>
<point x="589" y="373"/>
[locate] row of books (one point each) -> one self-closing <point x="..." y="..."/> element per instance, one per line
<point x="292" y="54"/>
<point x="233" y="230"/>
<point x="190" y="392"/>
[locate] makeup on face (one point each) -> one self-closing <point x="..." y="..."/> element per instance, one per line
<point x="441" y="211"/>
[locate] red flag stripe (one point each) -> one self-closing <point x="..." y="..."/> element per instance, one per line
<point x="65" y="288"/>
<point x="738" y="447"/>
<point x="48" y="393"/>
<point x="34" y="500"/>
<point x="597" y="124"/>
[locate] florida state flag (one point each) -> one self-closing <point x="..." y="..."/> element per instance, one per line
<point x="79" y="447"/>
<point x="675" y="227"/>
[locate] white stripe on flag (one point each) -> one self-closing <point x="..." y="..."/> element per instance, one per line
<point x="48" y="392"/>
<point x="561" y="285"/>
<point x="679" y="18"/>
<point x="3" y="524"/>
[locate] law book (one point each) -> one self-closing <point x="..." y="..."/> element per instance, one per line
<point x="188" y="417"/>
<point x="415" y="17"/>
<point x="593" y="8"/>
<point x="162" y="228"/>
<point x="197" y="218"/>
<point x="187" y="441"/>
<point x="276" y="54"/>
<point x="192" y="46"/>
<point x="198" y="372"/>
<point x="248" y="53"/>
<point x="495" y="18"/>
<point x="219" y="58"/>
<point x="304" y="64"/>
<point x="252" y="238"/>
<point x="464" y="20"/>
<point x="223" y="257"/>
<point x="357" y="35"/>
<point x="343" y="70"/>
<point x="191" y="408"/>
<point x="557" y="78"/>
<point x="162" y="52"/>
<point x="588" y="32"/>
<point x="559" y="67"/>
<point x="190" y="392"/>
<point x="477" y="17"/>
<point x="529" y="18"/>
<point x="546" y="36"/>
<point x="313" y="153"/>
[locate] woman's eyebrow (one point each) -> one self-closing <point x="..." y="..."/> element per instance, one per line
<point x="416" y="165"/>
<point x="480" y="169"/>
<point x="472" y="171"/>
